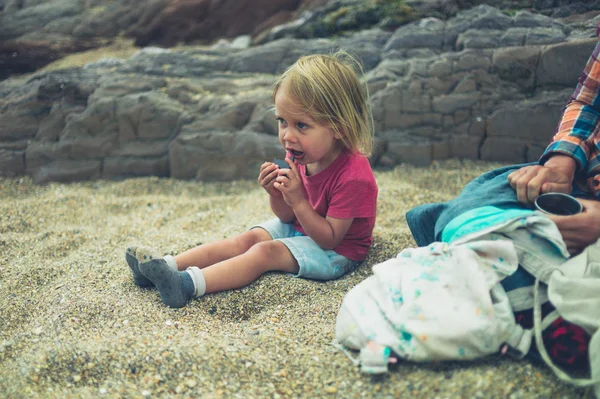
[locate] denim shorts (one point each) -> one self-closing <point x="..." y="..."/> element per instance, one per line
<point x="314" y="262"/>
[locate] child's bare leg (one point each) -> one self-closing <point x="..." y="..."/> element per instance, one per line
<point x="178" y="287"/>
<point x="213" y="252"/>
<point x="201" y="256"/>
<point x="243" y="269"/>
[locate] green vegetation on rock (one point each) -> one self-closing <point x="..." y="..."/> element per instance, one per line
<point x="387" y="14"/>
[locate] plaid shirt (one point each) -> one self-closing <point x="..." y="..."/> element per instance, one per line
<point x="577" y="133"/>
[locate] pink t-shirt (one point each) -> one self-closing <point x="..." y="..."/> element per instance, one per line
<point x="346" y="189"/>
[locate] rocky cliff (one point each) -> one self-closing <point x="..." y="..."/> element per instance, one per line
<point x="478" y="82"/>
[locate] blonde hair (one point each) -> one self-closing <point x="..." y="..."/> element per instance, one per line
<point x="328" y="87"/>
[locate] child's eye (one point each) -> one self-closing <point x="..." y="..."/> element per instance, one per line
<point x="302" y="126"/>
<point x="281" y="121"/>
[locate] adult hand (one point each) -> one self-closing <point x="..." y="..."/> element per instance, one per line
<point x="556" y="175"/>
<point x="266" y="178"/>
<point x="288" y="182"/>
<point x="580" y="230"/>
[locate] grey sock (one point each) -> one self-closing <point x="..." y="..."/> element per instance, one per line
<point x="138" y="278"/>
<point x="176" y="288"/>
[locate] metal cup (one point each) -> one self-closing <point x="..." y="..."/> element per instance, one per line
<point x="558" y="204"/>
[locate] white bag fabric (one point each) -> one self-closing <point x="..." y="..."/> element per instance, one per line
<point x="574" y="290"/>
<point x="440" y="302"/>
<point x="444" y="301"/>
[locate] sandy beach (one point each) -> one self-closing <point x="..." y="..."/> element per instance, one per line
<point x="73" y="324"/>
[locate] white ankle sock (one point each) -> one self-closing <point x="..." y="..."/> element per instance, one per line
<point x="198" y="279"/>
<point x="171" y="262"/>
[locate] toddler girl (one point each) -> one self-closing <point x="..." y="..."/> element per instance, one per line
<point x="324" y="202"/>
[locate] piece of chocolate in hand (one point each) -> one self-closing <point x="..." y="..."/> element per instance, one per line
<point x="281" y="163"/>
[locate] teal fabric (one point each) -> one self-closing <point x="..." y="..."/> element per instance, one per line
<point x="427" y="221"/>
<point x="478" y="219"/>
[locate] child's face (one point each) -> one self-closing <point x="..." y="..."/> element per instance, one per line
<point x="311" y="143"/>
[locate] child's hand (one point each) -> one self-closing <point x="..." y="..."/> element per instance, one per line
<point x="266" y="178"/>
<point x="289" y="184"/>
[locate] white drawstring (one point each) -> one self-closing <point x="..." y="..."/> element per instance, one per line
<point x="354" y="360"/>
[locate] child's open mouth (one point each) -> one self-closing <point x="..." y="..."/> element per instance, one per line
<point x="296" y="154"/>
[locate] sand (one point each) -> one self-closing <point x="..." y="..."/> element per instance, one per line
<point x="73" y="324"/>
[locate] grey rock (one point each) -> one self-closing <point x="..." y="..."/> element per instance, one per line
<point x="12" y="162"/>
<point x="544" y="36"/>
<point x="562" y="64"/>
<point x="147" y="116"/>
<point x="477" y="38"/>
<point x="104" y="63"/>
<point x="482" y="17"/>
<point x="18" y="23"/>
<point x="448" y="104"/>
<point x="527" y="19"/>
<point x="517" y="64"/>
<point x="465" y="146"/>
<point x="481" y="85"/>
<point x="41" y="153"/>
<point x="468" y="60"/>
<point x="121" y="167"/>
<point x="530" y="119"/>
<point x="265" y="59"/>
<point x="428" y="32"/>
<point x="505" y="149"/>
<point x="513" y="37"/>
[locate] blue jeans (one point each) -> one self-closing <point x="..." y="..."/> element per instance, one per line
<point x="314" y="262"/>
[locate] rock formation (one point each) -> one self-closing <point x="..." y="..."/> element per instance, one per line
<point x="482" y="84"/>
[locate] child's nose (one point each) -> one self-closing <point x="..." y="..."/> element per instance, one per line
<point x="288" y="135"/>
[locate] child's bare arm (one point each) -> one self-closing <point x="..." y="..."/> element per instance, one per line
<point x="327" y="232"/>
<point x="281" y="209"/>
